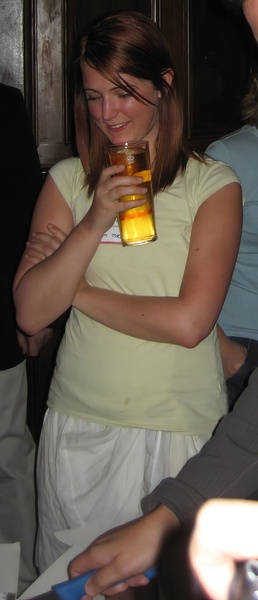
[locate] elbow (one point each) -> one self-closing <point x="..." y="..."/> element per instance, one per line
<point x="192" y="334"/>
<point x="27" y="321"/>
<point x="191" y="341"/>
<point x="26" y="324"/>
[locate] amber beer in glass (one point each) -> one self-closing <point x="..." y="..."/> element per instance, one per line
<point x="137" y="225"/>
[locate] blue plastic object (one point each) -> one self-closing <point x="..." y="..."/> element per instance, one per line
<point x="74" y="589"/>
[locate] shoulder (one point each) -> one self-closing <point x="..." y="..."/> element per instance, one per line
<point x="202" y="179"/>
<point x="67" y="168"/>
<point x="228" y="148"/>
<point x="210" y="170"/>
<point x="69" y="176"/>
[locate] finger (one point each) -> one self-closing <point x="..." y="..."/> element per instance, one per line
<point x="82" y="563"/>
<point x="40" y="236"/>
<point x="52" y="238"/>
<point x="104" y="578"/>
<point x="34" y="249"/>
<point x="116" y="589"/>
<point x="122" y="206"/>
<point x="137" y="580"/>
<point x="102" y="583"/>
<point x="121" y="191"/>
<point x="47" y="246"/>
<point x="111" y="171"/>
<point x="33" y="260"/>
<point x="22" y="341"/>
<point x="45" y="240"/>
<point x="39" y="254"/>
<point x="96" y="582"/>
<point x="123" y="181"/>
<point x="60" y="234"/>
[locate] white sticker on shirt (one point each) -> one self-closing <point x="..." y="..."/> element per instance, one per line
<point x="112" y="236"/>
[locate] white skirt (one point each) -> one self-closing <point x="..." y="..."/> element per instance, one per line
<point x="97" y="475"/>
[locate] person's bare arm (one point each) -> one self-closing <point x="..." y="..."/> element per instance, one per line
<point x="188" y="318"/>
<point x="45" y="290"/>
<point x="124" y="553"/>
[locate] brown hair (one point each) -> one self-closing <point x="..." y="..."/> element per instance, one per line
<point x="130" y="43"/>
<point x="249" y="104"/>
<point x="233" y="4"/>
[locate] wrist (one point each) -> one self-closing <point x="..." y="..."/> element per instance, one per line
<point x="164" y="520"/>
<point x="93" y="225"/>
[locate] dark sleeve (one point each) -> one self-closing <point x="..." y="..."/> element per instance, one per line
<point x="227" y="465"/>
<point x="21" y="181"/>
<point x="21" y="176"/>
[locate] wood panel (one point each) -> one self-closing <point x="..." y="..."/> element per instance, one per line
<point x="50" y="83"/>
<point x="12" y="47"/>
<point x="85" y="12"/>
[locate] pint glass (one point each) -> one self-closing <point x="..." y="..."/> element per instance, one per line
<point x="137" y="225"/>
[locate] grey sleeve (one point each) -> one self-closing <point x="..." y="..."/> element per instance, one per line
<point x="227" y="465"/>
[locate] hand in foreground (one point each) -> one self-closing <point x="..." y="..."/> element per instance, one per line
<point x="41" y="245"/>
<point x="106" y="205"/>
<point x="226" y="531"/>
<point x="124" y="553"/>
<point x="31" y="345"/>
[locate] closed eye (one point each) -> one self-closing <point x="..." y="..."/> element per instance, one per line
<point x="124" y="95"/>
<point x="92" y="98"/>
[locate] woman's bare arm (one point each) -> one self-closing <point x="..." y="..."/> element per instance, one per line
<point x="188" y="318"/>
<point x="44" y="291"/>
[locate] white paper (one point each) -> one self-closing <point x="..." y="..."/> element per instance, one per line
<point x="9" y="567"/>
<point x="78" y="538"/>
<point x="78" y="535"/>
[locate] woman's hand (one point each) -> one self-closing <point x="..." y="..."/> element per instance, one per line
<point x="233" y="354"/>
<point x="31" y="346"/>
<point x="41" y="245"/>
<point x="106" y="204"/>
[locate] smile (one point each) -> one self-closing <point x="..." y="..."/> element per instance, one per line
<point x="120" y="126"/>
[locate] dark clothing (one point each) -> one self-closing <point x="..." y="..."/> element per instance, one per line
<point x="21" y="181"/>
<point x="226" y="467"/>
<point x="239" y="381"/>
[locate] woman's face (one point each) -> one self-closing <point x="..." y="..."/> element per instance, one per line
<point x="119" y="115"/>
<point x="250" y="8"/>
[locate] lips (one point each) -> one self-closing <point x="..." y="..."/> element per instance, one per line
<point x="116" y="127"/>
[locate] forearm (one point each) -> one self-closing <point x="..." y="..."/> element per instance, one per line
<point x="170" y="320"/>
<point x="47" y="290"/>
<point x="227" y="466"/>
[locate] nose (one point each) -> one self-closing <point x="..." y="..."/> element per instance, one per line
<point x="109" y="109"/>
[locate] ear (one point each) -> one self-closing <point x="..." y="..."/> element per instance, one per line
<point x="168" y="76"/>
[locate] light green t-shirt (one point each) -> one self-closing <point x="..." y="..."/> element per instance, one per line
<point x="104" y="376"/>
